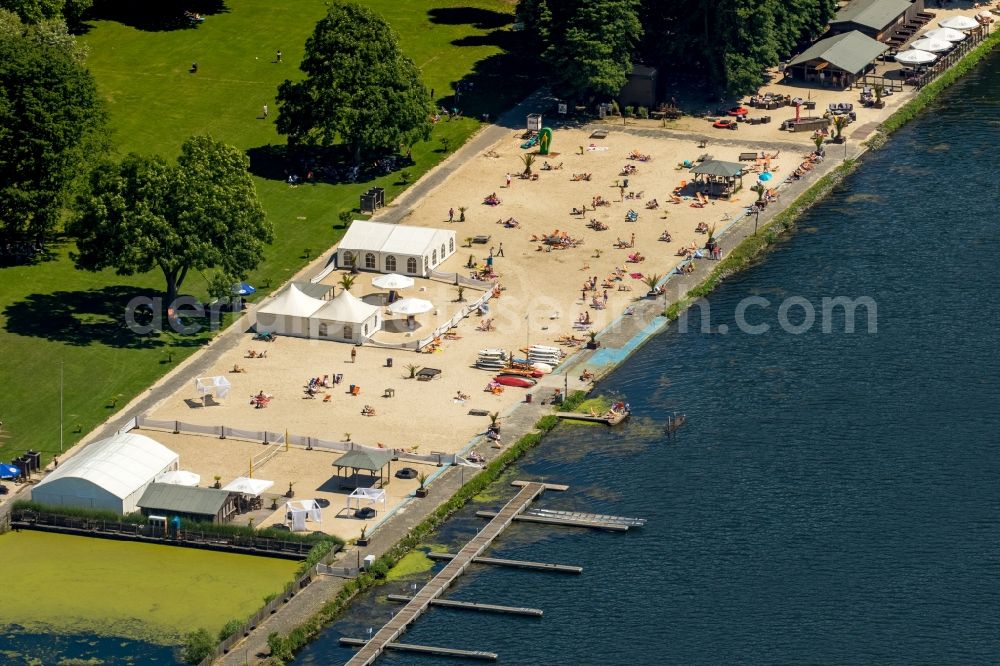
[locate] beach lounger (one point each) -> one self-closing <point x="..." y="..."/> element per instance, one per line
<point x="749" y="157"/>
<point x="599" y="134"/>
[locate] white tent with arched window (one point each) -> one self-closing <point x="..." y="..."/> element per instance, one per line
<point x="394" y="248"/>
<point x="346" y="318"/>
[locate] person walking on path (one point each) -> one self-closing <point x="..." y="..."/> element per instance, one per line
<point x="508" y="180"/>
<point x="451" y="214"/>
<point x="500" y="250"/>
<point x="265" y="110"/>
<point x="354" y="354"/>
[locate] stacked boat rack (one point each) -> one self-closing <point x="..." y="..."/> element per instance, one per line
<point x="524" y="372"/>
<point x="519" y="508"/>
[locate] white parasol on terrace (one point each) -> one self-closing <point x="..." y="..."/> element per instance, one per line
<point x="947" y="34"/>
<point x="959" y="23"/>
<point x="932" y="45"/>
<point x="179" y="477"/>
<point x="915" y="57"/>
<point x="248" y="486"/>
<point x="392" y="282"/>
<point x="411" y="306"/>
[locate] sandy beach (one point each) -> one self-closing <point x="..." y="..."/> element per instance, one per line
<point x="541" y="297"/>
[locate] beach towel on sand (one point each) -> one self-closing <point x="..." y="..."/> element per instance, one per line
<point x="637" y="276"/>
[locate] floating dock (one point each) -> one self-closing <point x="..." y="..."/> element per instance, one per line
<point x="517" y="564"/>
<point x="471" y="605"/>
<point x="424" y="649"/>
<point x="566" y="522"/>
<point x="421" y="601"/>
<point x="607" y="419"/>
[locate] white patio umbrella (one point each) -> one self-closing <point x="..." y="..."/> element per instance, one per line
<point x="932" y="45"/>
<point x="392" y="282"/>
<point x="411" y="306"/>
<point x="947" y="34"/>
<point x="179" y="477"/>
<point x="986" y="13"/>
<point x="914" y="57"/>
<point x="959" y="23"/>
<point x="248" y="486"/>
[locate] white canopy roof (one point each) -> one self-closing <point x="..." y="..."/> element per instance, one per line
<point x="218" y="385"/>
<point x="248" y="486"/>
<point x="121" y="464"/>
<point x="959" y="23"/>
<point x="915" y="57"/>
<point x="392" y="238"/>
<point x="932" y="45"/>
<point x="411" y="306"/>
<point x="346" y="307"/>
<point x="372" y="495"/>
<point x="291" y="302"/>
<point x="392" y="281"/>
<point x="179" y="477"/>
<point x="947" y="34"/>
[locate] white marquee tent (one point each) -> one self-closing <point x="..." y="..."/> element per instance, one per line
<point x="109" y="474"/>
<point x="288" y="313"/>
<point x="394" y="248"/>
<point x="346" y="318"/>
<point x="179" y="477"/>
<point x="300" y="511"/>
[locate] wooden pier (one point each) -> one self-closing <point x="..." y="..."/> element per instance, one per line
<point x="471" y="605"/>
<point x="612" y="419"/>
<point x="388" y="634"/>
<point x="591" y="521"/>
<point x="517" y="564"/>
<point x="425" y="649"/>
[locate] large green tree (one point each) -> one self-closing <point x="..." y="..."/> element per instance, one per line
<point x="359" y="89"/>
<point x="201" y="213"/>
<point x="33" y="11"/>
<point x="51" y="122"/>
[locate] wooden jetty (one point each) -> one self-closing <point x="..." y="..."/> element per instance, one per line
<point x="419" y="603"/>
<point x="573" y="519"/>
<point x="612" y="419"/>
<point x="424" y="649"/>
<point x="517" y="564"/>
<point x="471" y="605"/>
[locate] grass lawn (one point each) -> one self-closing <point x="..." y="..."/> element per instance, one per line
<point x="52" y="315"/>
<point x="136" y="590"/>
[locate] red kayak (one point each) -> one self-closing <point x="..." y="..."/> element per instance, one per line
<point x="514" y="380"/>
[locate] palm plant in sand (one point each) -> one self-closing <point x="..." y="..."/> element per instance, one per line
<point x="651" y="282"/>
<point x="347" y="281"/>
<point x="528" y="160"/>
<point x="818" y="141"/>
<point x="839" y="123"/>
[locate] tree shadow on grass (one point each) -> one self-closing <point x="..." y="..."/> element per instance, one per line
<point x="154" y="16"/>
<point x="495" y="85"/>
<point x="482" y="19"/>
<point x="83" y="318"/>
<point x="307" y="165"/>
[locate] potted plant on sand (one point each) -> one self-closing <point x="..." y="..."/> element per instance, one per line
<point x="878" y="89"/>
<point x="422" y="490"/>
<point x="839" y="123"/>
<point x="592" y="343"/>
<point x="291" y="493"/>
<point x="218" y="481"/>
<point x="461" y="215"/>
<point x="363" y="537"/>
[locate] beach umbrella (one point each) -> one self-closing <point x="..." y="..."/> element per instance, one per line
<point x="914" y="57"/>
<point x="959" y="23"/>
<point x="411" y="306"/>
<point x="932" y="45"/>
<point x="243" y="289"/>
<point x="947" y="34"/>
<point x="179" y="477"/>
<point x="392" y="282"/>
<point x="9" y="471"/>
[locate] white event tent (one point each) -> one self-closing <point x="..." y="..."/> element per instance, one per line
<point x="110" y="474"/>
<point x="218" y="385"/>
<point x="394" y="248"/>
<point x="288" y="313"/>
<point x="346" y="318"/>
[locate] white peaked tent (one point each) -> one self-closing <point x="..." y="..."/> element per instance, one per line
<point x="346" y="318"/>
<point x="218" y="385"/>
<point x="288" y="313"/>
<point x="248" y="486"/>
<point x="179" y="477"/>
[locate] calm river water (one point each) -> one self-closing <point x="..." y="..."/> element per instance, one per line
<point x="834" y="498"/>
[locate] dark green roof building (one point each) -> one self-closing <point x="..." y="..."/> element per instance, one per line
<point x="201" y="504"/>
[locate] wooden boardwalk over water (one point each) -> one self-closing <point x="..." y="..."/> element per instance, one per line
<point x="437" y="585"/>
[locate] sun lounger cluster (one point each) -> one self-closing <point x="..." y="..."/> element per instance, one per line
<point x="557" y="240"/>
<point x="639" y="157"/>
<point x="580" y="176"/>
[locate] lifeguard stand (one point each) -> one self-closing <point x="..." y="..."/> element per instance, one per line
<point x="534" y="122"/>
